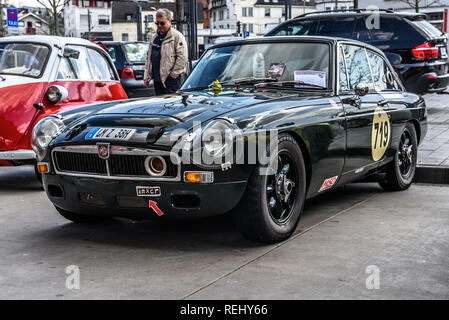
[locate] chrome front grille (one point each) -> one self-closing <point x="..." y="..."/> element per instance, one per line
<point x="124" y="163"/>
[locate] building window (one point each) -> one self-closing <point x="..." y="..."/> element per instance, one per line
<point x="129" y="17"/>
<point x="38" y="24"/>
<point x="215" y="16"/>
<point x="275" y="1"/>
<point x="84" y="19"/>
<point x="228" y="25"/>
<point x="221" y="14"/>
<point x="328" y="8"/>
<point x="227" y="14"/>
<point x="29" y="24"/>
<point x="283" y="11"/>
<point x="150" y="18"/>
<point x="267" y="12"/>
<point x="247" y="12"/>
<point x="103" y="20"/>
<point x="86" y="3"/>
<point x="251" y="30"/>
<point x="125" y="37"/>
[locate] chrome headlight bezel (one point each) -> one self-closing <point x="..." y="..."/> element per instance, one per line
<point x="205" y="147"/>
<point x="43" y="133"/>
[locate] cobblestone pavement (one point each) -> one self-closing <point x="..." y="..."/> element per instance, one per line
<point x="434" y="150"/>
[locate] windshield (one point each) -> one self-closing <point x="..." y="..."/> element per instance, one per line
<point x="136" y="52"/>
<point x="289" y="61"/>
<point x="26" y="59"/>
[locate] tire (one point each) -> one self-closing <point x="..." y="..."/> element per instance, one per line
<point x="258" y="217"/>
<point x="400" y="173"/>
<point x="79" y="218"/>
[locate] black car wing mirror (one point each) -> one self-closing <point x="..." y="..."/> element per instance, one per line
<point x="71" y="53"/>
<point x="394" y="58"/>
<point x="361" y="89"/>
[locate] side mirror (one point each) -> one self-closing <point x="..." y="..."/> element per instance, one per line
<point x="394" y="58"/>
<point x="361" y="89"/>
<point x="71" y="53"/>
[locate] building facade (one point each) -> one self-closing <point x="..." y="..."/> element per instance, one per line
<point x="88" y="19"/>
<point x="231" y="18"/>
<point x="329" y="5"/>
<point x="30" y="23"/>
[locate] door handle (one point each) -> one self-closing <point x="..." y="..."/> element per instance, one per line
<point x="101" y="84"/>
<point x="382" y="103"/>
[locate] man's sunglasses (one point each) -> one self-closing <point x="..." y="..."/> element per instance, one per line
<point x="160" y="23"/>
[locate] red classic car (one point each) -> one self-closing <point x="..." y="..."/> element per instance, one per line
<point x="44" y="75"/>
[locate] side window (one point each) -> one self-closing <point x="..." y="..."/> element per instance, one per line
<point x="75" y="69"/>
<point x="383" y="78"/>
<point x="384" y="33"/>
<point x="361" y="32"/>
<point x="112" y="53"/>
<point x="357" y="66"/>
<point x="299" y="28"/>
<point x="343" y="77"/>
<point x="100" y="67"/>
<point x="336" y="27"/>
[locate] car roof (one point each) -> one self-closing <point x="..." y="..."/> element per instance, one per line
<point x="51" y="40"/>
<point x="323" y="39"/>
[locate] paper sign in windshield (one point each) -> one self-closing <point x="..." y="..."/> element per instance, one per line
<point x="311" y="76"/>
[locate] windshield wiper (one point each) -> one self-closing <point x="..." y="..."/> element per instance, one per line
<point x="290" y="84"/>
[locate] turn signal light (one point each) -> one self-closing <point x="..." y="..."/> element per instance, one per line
<point x="198" y="177"/>
<point x="43" y="167"/>
<point x="425" y="51"/>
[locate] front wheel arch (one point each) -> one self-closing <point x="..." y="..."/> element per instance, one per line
<point x="306" y="156"/>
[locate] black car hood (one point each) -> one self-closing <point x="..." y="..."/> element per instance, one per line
<point x="178" y="110"/>
<point x="170" y="112"/>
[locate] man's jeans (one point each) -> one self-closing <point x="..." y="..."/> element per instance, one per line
<point x="171" y="86"/>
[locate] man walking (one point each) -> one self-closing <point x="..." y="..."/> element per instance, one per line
<point x="167" y="56"/>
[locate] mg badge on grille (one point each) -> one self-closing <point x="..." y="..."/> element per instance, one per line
<point x="103" y="150"/>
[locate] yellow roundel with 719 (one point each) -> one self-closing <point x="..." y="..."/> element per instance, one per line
<point x="380" y="134"/>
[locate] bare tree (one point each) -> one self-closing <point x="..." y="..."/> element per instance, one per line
<point x="55" y="8"/>
<point x="416" y="4"/>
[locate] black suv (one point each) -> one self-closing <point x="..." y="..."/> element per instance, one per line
<point x="129" y="58"/>
<point x="415" y="48"/>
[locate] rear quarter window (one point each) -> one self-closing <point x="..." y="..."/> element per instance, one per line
<point x="397" y="32"/>
<point x="427" y="28"/>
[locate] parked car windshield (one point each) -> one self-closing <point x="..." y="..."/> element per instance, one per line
<point x="26" y="59"/>
<point x="288" y="61"/>
<point x="136" y="52"/>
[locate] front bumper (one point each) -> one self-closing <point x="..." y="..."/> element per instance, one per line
<point x="118" y="198"/>
<point x="17" y="157"/>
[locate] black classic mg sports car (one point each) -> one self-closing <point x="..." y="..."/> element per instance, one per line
<point x="258" y="127"/>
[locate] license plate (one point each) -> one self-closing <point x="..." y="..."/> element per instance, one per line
<point x="148" y="191"/>
<point x="121" y="134"/>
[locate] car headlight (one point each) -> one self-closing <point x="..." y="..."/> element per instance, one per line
<point x="215" y="143"/>
<point x="43" y="133"/>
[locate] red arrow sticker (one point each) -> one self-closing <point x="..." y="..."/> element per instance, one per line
<point x="153" y="205"/>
